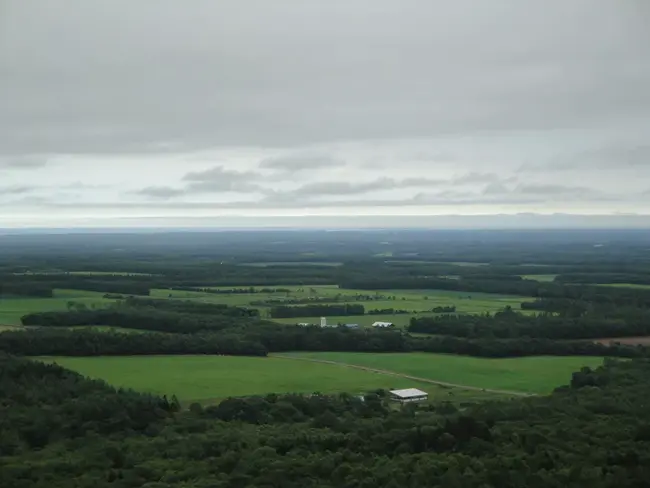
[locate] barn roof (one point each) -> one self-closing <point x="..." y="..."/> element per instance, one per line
<point x="408" y="393"/>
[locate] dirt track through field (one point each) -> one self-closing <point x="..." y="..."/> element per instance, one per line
<point x="401" y="375"/>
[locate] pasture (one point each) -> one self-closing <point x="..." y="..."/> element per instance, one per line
<point x="291" y="264"/>
<point x="546" y="278"/>
<point x="416" y="302"/>
<point x="626" y="285"/>
<point x="12" y="309"/>
<point x="209" y="379"/>
<point x="540" y="374"/>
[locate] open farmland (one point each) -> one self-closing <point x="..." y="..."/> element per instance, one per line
<point x="291" y="263"/>
<point x="12" y="309"/>
<point x="626" y="285"/>
<point x="212" y="378"/>
<point x="419" y="302"/>
<point x="529" y="374"/>
<point x="547" y="278"/>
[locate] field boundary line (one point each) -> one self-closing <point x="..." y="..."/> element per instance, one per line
<point x="407" y="376"/>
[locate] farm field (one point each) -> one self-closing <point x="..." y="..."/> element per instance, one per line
<point x="84" y="273"/>
<point x="212" y="378"/>
<point x="421" y="301"/>
<point x="291" y="263"/>
<point x="12" y="309"/>
<point x="529" y="374"/>
<point x="540" y="277"/>
<point x="626" y="285"/>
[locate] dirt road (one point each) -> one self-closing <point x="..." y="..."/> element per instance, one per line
<point x="401" y="375"/>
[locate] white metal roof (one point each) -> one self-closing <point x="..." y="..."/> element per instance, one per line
<point x="408" y="393"/>
<point x="382" y="324"/>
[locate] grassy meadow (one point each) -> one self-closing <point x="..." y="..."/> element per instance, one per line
<point x="626" y="285"/>
<point x="416" y="302"/>
<point x="540" y="374"/>
<point x="292" y="263"/>
<point x="208" y="379"/>
<point x="12" y="309"/>
<point x="420" y="301"/>
<point x="540" y="277"/>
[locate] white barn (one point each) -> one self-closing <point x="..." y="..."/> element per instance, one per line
<point x="382" y="324"/>
<point x="409" y="395"/>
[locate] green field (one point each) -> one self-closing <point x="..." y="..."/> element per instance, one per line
<point x="421" y="301"/>
<point x="12" y="309"/>
<point x="212" y="378"/>
<point x="291" y="263"/>
<point x="85" y="273"/>
<point x="626" y="285"/>
<point x="540" y="277"/>
<point x="530" y="374"/>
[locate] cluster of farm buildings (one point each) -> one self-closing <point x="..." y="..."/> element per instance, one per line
<point x="323" y="323"/>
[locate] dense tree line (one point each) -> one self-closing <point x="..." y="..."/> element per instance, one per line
<point x="590" y="293"/>
<point x="141" y="318"/>
<point x="251" y="290"/>
<point x="522" y="347"/>
<point x="388" y="311"/>
<point x="191" y="307"/>
<point x="127" y="285"/>
<point x="263" y="338"/>
<point x="509" y="324"/>
<point x="594" y="432"/>
<point x="34" y="290"/>
<point x="44" y="403"/>
<point x="64" y="342"/>
<point x="315" y="310"/>
<point x="603" y="277"/>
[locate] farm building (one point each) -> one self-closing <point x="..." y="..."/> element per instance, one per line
<point x="409" y="395"/>
<point x="352" y="326"/>
<point x="382" y="324"/>
<point x="304" y="324"/>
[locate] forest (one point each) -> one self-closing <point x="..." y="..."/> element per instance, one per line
<point x="61" y="430"/>
<point x="510" y="324"/>
<point x="285" y="311"/>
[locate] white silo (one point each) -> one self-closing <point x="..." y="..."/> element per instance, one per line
<point x="323" y="322"/>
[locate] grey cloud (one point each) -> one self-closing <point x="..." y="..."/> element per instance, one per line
<point x="537" y="190"/>
<point x="286" y="73"/>
<point x="555" y="190"/>
<point x="620" y="155"/>
<point x="613" y="156"/>
<point x="495" y="188"/>
<point x="334" y="188"/>
<point x="161" y="191"/>
<point x="476" y="178"/>
<point x="219" y="179"/>
<point x="17" y="189"/>
<point x="23" y="162"/>
<point x="299" y="162"/>
<point x="461" y="93"/>
<point x="213" y="180"/>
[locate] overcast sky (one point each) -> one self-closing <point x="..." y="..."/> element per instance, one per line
<point x="165" y="110"/>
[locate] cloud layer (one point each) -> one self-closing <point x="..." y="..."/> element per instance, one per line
<point x="300" y="107"/>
